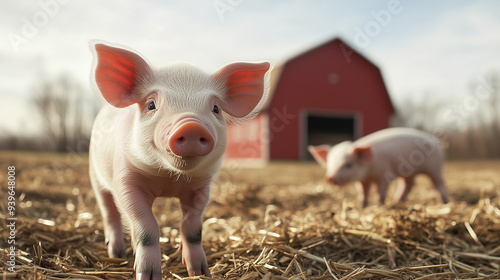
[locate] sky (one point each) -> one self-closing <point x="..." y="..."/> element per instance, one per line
<point x="420" y="46"/>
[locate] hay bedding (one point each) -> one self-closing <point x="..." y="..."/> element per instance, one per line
<point x="279" y="222"/>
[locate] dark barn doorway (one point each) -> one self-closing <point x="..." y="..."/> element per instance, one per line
<point x="330" y="130"/>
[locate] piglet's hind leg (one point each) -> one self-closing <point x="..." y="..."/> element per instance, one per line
<point x="112" y="224"/>
<point x="438" y="181"/>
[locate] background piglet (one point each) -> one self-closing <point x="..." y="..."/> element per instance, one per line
<point x="381" y="157"/>
<point x="163" y="135"/>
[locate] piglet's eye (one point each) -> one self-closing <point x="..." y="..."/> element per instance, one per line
<point x="151" y="106"/>
<point x="216" y="109"/>
<point x="348" y="165"/>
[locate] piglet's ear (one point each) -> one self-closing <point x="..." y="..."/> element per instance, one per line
<point x="117" y="73"/>
<point x="319" y="153"/>
<point x="244" y="84"/>
<point x="363" y="154"/>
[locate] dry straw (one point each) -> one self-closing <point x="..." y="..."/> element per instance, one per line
<point x="253" y="230"/>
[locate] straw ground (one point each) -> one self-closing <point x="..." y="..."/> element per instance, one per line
<point x="277" y="222"/>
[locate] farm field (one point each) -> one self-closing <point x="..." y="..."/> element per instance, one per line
<point x="276" y="221"/>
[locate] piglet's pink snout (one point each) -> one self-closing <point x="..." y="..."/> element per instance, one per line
<point x="332" y="180"/>
<point x="191" y="139"/>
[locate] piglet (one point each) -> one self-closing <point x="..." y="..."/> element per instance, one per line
<point x="381" y="157"/>
<point x="162" y="134"/>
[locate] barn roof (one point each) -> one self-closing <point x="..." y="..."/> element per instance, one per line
<point x="278" y="68"/>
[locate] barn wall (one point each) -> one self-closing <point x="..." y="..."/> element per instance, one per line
<point x="325" y="78"/>
<point x="248" y="141"/>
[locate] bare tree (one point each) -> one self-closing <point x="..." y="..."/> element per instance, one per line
<point x="494" y="82"/>
<point x="469" y="124"/>
<point x="43" y="101"/>
<point x="66" y="116"/>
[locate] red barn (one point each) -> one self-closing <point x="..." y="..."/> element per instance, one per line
<point x="327" y="94"/>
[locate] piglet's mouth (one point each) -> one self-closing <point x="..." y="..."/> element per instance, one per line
<point x="178" y="157"/>
<point x="335" y="181"/>
<point x="184" y="158"/>
<point x="182" y="163"/>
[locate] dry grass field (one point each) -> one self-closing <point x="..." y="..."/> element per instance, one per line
<point x="278" y="221"/>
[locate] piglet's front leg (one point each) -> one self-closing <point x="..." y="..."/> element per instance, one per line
<point x="137" y="205"/>
<point x="193" y="204"/>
